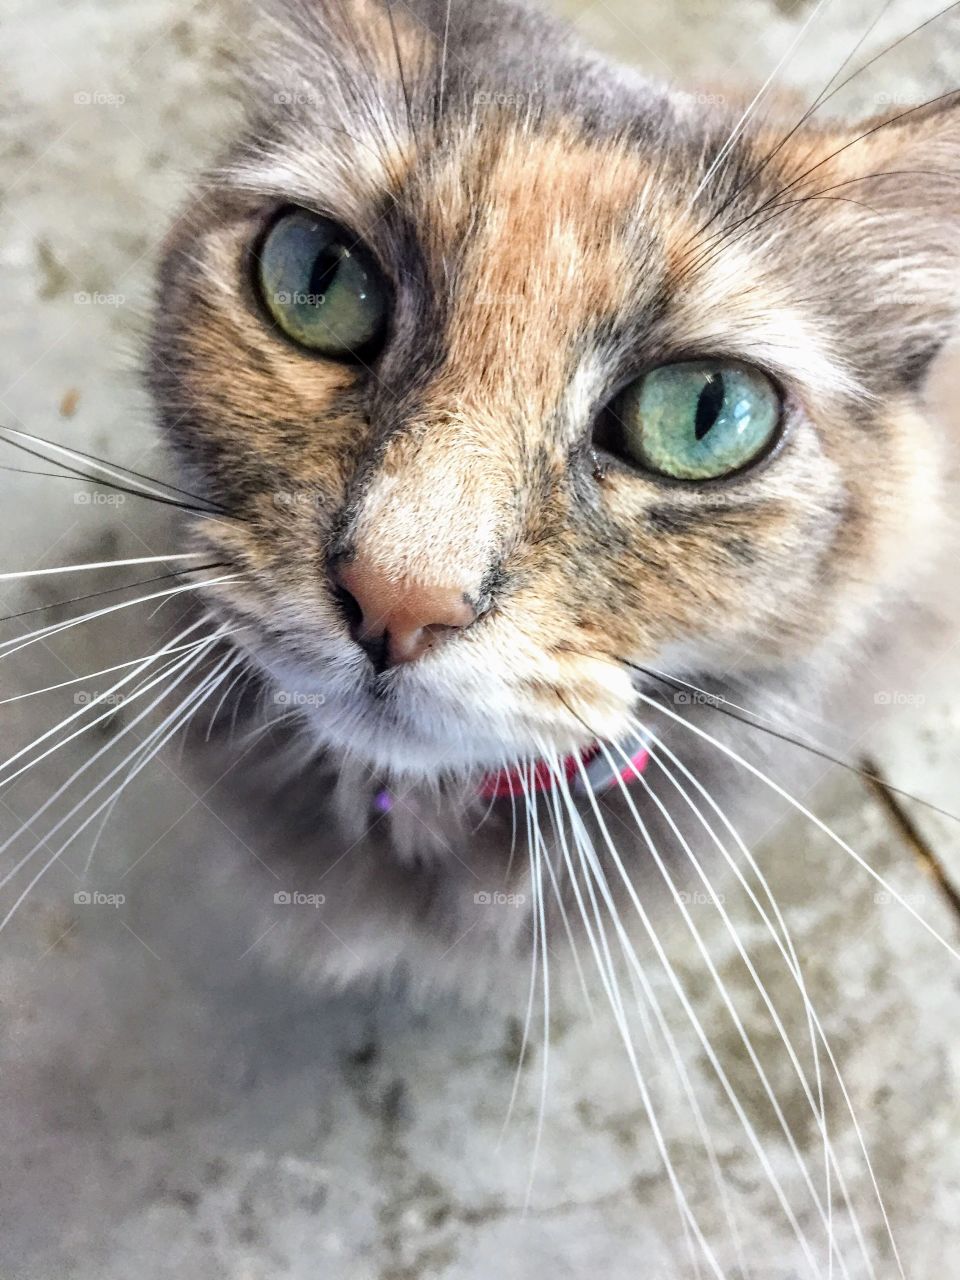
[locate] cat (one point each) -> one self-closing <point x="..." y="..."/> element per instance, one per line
<point x="520" y="398"/>
<point x="549" y="441"/>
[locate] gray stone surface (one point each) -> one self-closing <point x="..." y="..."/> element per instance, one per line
<point x="166" y="1107"/>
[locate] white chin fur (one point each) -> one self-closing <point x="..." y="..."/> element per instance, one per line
<point x="426" y="727"/>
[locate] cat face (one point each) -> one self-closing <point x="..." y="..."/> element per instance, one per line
<point x="505" y="378"/>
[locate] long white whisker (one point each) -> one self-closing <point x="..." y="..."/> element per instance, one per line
<point x="195" y="696"/>
<point x="128" y="481"/>
<point x="808" y="814"/>
<point x="607" y="971"/>
<point x="561" y="905"/>
<point x="188" y="662"/>
<point x="223" y="697"/>
<point x="709" y="1049"/>
<point x="531" y="994"/>
<point x="536" y="878"/>
<point x="788" y="952"/>
<point x="742" y="122"/>
<point x="106" y="671"/>
<point x="684" y="1078"/>
<point x="102" y="564"/>
<point x="8" y="647"/>
<point x="87" y="706"/>
<point x="718" y="982"/>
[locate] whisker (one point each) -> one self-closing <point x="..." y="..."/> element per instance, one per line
<point x="100" y="564"/>
<point x="672" y="1047"/>
<point x="775" y="199"/>
<point x="531" y="993"/>
<point x="786" y="947"/>
<point x="244" y="670"/>
<point x="752" y="721"/>
<point x="819" y="1114"/>
<point x="9" y="647"/>
<point x="115" y="469"/>
<point x="824" y="96"/>
<point x="198" y="696"/>
<point x="94" y="675"/>
<point x="808" y="814"/>
<point x="708" y="1048"/>
<point x="742" y="122"/>
<point x="536" y="883"/>
<point x="554" y="817"/>
<point x="109" y="591"/>
<point x="607" y="971"/>
<point x="184" y="667"/>
<point x="96" y="701"/>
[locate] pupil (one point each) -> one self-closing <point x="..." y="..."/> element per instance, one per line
<point x="324" y="271"/>
<point x="709" y="404"/>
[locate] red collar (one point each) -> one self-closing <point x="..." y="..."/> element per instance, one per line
<point x="591" y="769"/>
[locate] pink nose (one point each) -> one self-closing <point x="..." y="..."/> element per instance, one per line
<point x="394" y="621"/>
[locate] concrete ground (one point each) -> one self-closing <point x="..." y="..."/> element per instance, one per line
<point x="168" y="1108"/>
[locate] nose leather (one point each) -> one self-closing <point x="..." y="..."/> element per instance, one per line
<point x="398" y="621"/>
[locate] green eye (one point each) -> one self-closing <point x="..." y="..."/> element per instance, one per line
<point x="698" y="420"/>
<point x="320" y="286"/>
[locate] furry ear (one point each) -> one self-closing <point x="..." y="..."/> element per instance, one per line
<point x="903" y="171"/>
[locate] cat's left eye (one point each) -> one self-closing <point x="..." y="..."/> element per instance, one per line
<point x="696" y="420"/>
<point x="321" y="286"/>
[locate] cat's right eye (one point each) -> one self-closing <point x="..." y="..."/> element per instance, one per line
<point x="321" y="286"/>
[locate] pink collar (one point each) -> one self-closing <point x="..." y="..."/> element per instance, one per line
<point x="596" y="774"/>
<point x="590" y="770"/>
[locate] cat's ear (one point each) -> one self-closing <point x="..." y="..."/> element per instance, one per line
<point x="896" y="180"/>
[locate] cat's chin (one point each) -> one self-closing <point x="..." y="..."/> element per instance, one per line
<point x="415" y="747"/>
<point x="417" y="732"/>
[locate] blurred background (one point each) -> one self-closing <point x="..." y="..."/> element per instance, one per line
<point x="169" y="1108"/>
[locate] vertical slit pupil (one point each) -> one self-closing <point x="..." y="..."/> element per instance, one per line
<point x="324" y="270"/>
<point x="709" y="404"/>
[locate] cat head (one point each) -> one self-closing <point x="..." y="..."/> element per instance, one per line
<point x="507" y="368"/>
